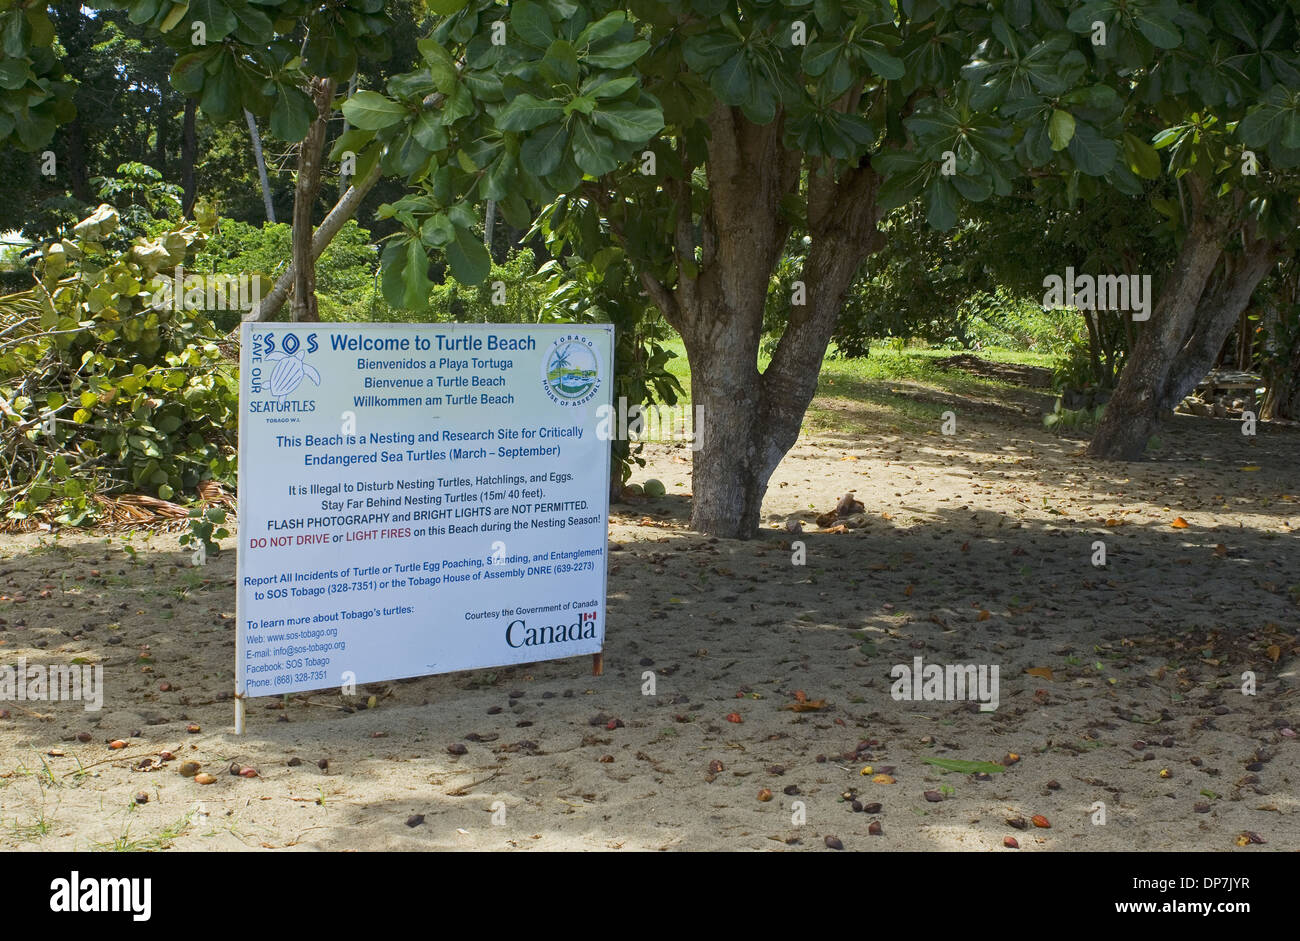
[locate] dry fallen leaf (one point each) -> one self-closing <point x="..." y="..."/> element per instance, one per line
<point x="882" y="779"/>
<point x="734" y="717"/>
<point x="800" y="696"/>
<point x="1274" y="652"/>
<point x="1179" y="523"/>
<point x="1044" y="672"/>
<point x="984" y="615"/>
<point x="805" y="706"/>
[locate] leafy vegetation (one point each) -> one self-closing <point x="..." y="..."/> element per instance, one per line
<point x="104" y="391"/>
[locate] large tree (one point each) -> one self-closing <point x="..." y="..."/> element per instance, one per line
<point x="698" y="133"/>
<point x="776" y="113"/>
<point x="1225" y="106"/>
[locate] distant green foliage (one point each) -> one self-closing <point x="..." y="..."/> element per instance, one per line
<point x="1016" y="323"/>
<point x="141" y="195"/>
<point x="515" y="284"/>
<point x="345" y="272"/>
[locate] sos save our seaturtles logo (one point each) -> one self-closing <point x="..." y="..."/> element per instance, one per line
<point x="280" y="364"/>
<point x="571" y="371"/>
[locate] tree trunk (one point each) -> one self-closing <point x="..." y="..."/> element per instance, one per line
<point x="160" y="134"/>
<point x="343" y="210"/>
<point x="1216" y="313"/>
<point x="78" y="175"/>
<point x="1282" y="367"/>
<point x="489" y="222"/>
<point x="1135" y="409"/>
<point x="304" y="199"/>
<point x="261" y="166"/>
<point x="1094" y="345"/>
<point x="345" y="178"/>
<point x="1286" y="401"/>
<point x="752" y="419"/>
<point x="189" y="157"/>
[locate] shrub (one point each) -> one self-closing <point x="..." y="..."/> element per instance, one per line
<point x="100" y="391"/>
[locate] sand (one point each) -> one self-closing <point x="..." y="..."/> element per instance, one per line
<point x="975" y="548"/>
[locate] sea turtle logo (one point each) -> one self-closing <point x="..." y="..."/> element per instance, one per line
<point x="289" y="369"/>
<point x="571" y="373"/>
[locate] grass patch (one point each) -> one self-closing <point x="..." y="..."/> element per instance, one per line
<point x="860" y="396"/>
<point x="161" y="840"/>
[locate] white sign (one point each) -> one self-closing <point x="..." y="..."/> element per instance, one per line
<point x="418" y="499"/>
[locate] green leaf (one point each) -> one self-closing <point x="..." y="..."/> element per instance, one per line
<point x="705" y="51"/>
<point x="541" y="153"/>
<point x="429" y="132"/>
<point x="1262" y="125"/>
<point x="881" y="62"/>
<point x="606" y="86"/>
<point x="630" y="122"/>
<point x="292" y="114"/>
<point x="603" y="28"/>
<point x="1158" y="30"/>
<point x="617" y="56"/>
<point x="415" y="294"/>
<point x="189" y="72"/>
<point x="1061" y="129"/>
<point x="974" y="188"/>
<point x="371" y="111"/>
<point x="218" y="18"/>
<point x="531" y="23"/>
<point x="593" y="152"/>
<point x="176" y="14"/>
<point x="734" y="80"/>
<point x="442" y="66"/>
<point x="581" y="104"/>
<point x="1093" y="154"/>
<point x="445" y="7"/>
<point x="965" y="767"/>
<point x="941" y="206"/>
<point x="1142" y="157"/>
<point x="526" y="112"/>
<point x="437" y="231"/>
<point x="560" y="64"/>
<point x="468" y="257"/>
<point x="499" y="174"/>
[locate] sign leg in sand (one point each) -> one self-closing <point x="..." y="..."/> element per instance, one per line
<point x="418" y="499"/>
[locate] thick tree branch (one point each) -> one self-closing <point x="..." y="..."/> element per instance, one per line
<point x="305" y="190"/>
<point x="343" y="210"/>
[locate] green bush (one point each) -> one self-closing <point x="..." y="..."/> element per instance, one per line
<point x="515" y="284"/>
<point x="1001" y="320"/>
<point x="345" y="272"/>
<point x="103" y="392"/>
